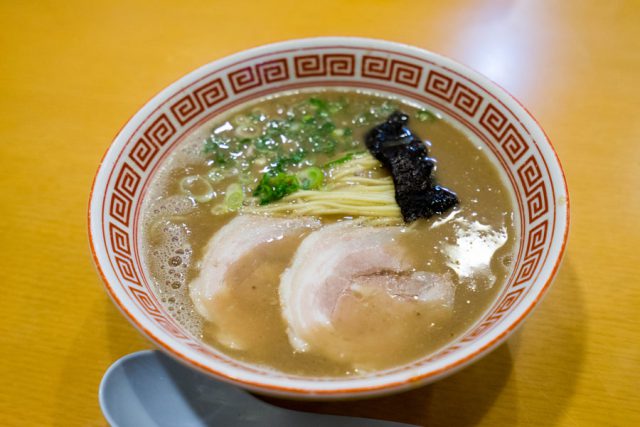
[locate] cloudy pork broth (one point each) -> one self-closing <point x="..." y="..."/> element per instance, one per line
<point x="273" y="234"/>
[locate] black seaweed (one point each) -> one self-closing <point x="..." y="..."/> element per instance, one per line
<point x="407" y="158"/>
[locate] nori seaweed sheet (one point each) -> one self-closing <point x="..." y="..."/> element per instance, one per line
<point x="407" y="158"/>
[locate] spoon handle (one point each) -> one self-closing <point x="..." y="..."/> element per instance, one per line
<point x="150" y="389"/>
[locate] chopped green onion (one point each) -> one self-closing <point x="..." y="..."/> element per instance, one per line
<point x="281" y="146"/>
<point x="217" y="148"/>
<point x="274" y="186"/>
<point x="324" y="114"/>
<point x="425" y="115"/>
<point x="311" y="178"/>
<point x="318" y="103"/>
<point x="320" y="144"/>
<point x="336" y="107"/>
<point x="327" y="128"/>
<point x="234" y="196"/>
<point x="265" y="143"/>
<point x="341" y="160"/>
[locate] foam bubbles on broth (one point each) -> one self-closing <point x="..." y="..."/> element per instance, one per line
<point x="170" y="256"/>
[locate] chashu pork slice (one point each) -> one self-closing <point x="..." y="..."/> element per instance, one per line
<point x="248" y="250"/>
<point x="352" y="295"/>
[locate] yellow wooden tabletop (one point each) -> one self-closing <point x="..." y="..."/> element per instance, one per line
<point x="72" y="72"/>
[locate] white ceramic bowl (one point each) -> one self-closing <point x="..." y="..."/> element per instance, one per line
<point x="514" y="141"/>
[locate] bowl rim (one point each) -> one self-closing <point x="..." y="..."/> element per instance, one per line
<point x="271" y="386"/>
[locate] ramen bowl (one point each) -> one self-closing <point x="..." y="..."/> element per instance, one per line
<point x="514" y="141"/>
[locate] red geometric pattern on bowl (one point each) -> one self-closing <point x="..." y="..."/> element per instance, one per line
<point x="454" y="92"/>
<point x="324" y="65"/>
<point x="504" y="131"/>
<point x="127" y="269"/>
<point x="438" y="83"/>
<point x="160" y="131"/>
<point x="193" y="103"/>
<point x="252" y="77"/>
<point x="534" y="189"/>
<point x="143" y="152"/>
<point x="120" y="207"/>
<point x="388" y="69"/>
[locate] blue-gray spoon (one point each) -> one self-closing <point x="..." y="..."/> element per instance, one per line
<point x="150" y="389"/>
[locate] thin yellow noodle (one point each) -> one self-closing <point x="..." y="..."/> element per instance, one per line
<point x="349" y="196"/>
<point x="338" y="206"/>
<point x="346" y="211"/>
<point x="368" y="190"/>
<point x="350" y="191"/>
<point x="348" y="174"/>
<point x="369" y="181"/>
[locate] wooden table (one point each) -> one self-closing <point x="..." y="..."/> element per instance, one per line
<point x="72" y="72"/>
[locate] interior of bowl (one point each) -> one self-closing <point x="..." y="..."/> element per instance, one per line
<point x="517" y="146"/>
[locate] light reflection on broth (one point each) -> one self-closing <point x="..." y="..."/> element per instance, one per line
<point x="371" y="329"/>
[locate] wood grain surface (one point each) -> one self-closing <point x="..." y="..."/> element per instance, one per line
<point x="71" y="73"/>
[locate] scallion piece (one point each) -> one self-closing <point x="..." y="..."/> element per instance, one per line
<point x="234" y="196"/>
<point x="425" y="115"/>
<point x="274" y="186"/>
<point x="311" y="178"/>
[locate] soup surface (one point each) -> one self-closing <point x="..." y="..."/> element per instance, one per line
<point x="273" y="235"/>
